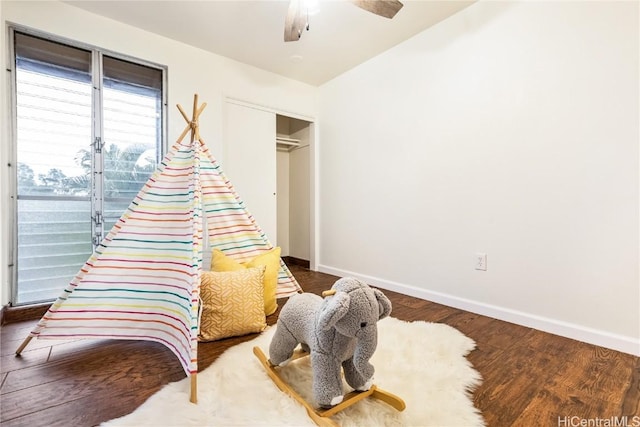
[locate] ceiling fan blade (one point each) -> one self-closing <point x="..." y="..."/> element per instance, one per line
<point x="295" y="22"/>
<point x="386" y="8"/>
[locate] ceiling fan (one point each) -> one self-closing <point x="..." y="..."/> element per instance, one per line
<point x="296" y="20"/>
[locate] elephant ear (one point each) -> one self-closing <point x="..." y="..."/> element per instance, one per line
<point x="384" y="305"/>
<point x="333" y="309"/>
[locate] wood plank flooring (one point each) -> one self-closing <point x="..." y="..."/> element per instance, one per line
<point x="530" y="378"/>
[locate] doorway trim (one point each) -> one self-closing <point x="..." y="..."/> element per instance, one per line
<point x="313" y="164"/>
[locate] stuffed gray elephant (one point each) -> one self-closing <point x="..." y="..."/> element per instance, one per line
<point x="339" y="330"/>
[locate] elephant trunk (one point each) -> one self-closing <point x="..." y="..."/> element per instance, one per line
<point x="365" y="347"/>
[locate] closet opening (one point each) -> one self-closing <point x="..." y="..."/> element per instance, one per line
<point x="293" y="189"/>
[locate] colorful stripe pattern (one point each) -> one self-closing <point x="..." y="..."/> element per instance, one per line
<point x="231" y="227"/>
<point x="142" y="282"/>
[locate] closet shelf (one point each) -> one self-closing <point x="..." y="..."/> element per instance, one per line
<point x="288" y="143"/>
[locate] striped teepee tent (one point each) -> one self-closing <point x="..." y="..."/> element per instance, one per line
<point x="143" y="280"/>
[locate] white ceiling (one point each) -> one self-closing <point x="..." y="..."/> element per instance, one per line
<point x="341" y="35"/>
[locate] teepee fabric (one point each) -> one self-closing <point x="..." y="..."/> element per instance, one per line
<point x="231" y="228"/>
<point x="142" y="282"/>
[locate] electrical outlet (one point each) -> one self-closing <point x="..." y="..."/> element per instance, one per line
<point x="481" y="261"/>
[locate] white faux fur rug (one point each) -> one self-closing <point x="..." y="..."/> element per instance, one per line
<point x="423" y="363"/>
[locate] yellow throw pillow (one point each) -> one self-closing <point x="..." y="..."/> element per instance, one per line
<point x="271" y="260"/>
<point x="232" y="303"/>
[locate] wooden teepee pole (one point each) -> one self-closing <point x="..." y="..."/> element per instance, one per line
<point x="192" y="123"/>
<point x="194" y="131"/>
<point x="193" y="127"/>
<point x="193" y="398"/>
<point x="23" y="345"/>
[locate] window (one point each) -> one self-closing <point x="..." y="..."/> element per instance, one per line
<point x="89" y="133"/>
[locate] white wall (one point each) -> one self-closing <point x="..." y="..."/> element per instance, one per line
<point x="511" y="129"/>
<point x="191" y="70"/>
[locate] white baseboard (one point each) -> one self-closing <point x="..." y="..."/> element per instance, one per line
<point x="601" y="338"/>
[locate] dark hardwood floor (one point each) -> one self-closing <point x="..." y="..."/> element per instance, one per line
<point x="530" y="378"/>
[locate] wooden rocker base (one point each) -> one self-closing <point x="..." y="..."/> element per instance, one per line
<point x="320" y="415"/>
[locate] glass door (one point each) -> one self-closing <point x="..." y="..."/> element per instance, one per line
<point x="53" y="110"/>
<point x="88" y="136"/>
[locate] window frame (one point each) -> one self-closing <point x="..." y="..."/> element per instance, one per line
<point x="97" y="54"/>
